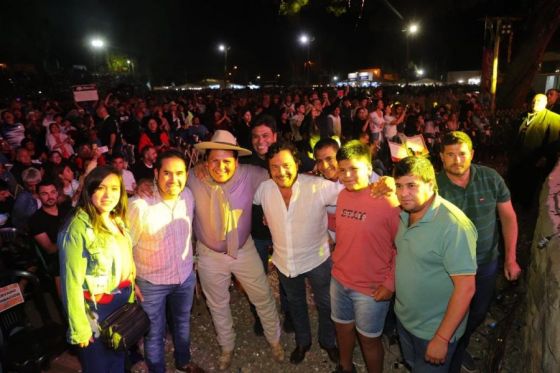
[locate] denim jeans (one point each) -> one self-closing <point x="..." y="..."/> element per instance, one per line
<point x="485" y="285"/>
<point x="350" y="306"/>
<point x="320" y="279"/>
<point x="179" y="298"/>
<point x="414" y="350"/>
<point x="262" y="249"/>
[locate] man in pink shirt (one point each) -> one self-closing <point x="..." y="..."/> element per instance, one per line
<point x="363" y="273"/>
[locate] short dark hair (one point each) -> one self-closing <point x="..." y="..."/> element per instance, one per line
<point x="117" y="155"/>
<point x="354" y="149"/>
<point x="456" y="137"/>
<point x="278" y="146"/>
<point x="416" y="166"/>
<point x="146" y="148"/>
<point x="171" y="153"/>
<point x="46" y="182"/>
<point x="264" y="120"/>
<point x="324" y="143"/>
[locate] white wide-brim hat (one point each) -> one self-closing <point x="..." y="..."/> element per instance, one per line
<point x="223" y="140"/>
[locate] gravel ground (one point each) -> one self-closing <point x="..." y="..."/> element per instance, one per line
<point x="252" y="353"/>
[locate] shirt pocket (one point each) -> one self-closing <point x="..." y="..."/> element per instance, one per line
<point x="99" y="263"/>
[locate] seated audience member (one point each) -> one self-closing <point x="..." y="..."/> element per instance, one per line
<point x="56" y="140"/>
<point x="45" y="223"/>
<point x="154" y="136"/>
<point x="65" y="176"/>
<point x="144" y="169"/>
<point x="23" y="161"/>
<point x="26" y="202"/>
<point x="6" y="204"/>
<point x="128" y="178"/>
<point x="87" y="152"/>
<point x="8" y="177"/>
<point x="36" y="155"/>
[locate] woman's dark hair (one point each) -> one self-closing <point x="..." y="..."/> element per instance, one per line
<point x="91" y="183"/>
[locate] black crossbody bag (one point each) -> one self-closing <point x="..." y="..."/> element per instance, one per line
<point x="124" y="327"/>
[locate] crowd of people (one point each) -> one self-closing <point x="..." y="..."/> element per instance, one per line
<point x="233" y="177"/>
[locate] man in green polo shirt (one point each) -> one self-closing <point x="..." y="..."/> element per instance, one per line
<point x="435" y="268"/>
<point x="479" y="192"/>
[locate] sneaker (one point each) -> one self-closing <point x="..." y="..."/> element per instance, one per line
<point x="277" y="352"/>
<point x="189" y="368"/>
<point x="224" y="361"/>
<point x="468" y="362"/>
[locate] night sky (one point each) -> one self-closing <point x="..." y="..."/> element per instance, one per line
<point x="177" y="40"/>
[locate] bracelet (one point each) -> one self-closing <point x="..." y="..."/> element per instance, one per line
<point x="442" y="338"/>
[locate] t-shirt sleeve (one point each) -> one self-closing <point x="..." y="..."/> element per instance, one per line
<point x="503" y="194"/>
<point x="330" y="191"/>
<point x="459" y="247"/>
<point x="35" y="225"/>
<point x="257" y="198"/>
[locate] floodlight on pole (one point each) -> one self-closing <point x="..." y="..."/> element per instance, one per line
<point x="97" y="43"/>
<point x="224" y="48"/>
<point x="420" y="72"/>
<point x="410" y="31"/>
<point x="306" y="40"/>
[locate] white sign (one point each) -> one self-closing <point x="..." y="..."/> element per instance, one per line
<point x="86" y="92"/>
<point x="413" y="145"/>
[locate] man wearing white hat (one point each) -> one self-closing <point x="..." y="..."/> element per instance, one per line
<point x="222" y="226"/>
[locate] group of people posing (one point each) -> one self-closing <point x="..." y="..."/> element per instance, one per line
<point x="426" y="243"/>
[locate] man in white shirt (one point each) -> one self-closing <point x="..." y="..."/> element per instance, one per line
<point x="128" y="178"/>
<point x="295" y="210"/>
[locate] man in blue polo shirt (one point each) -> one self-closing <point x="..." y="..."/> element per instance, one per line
<point x="435" y="269"/>
<point x="479" y="192"/>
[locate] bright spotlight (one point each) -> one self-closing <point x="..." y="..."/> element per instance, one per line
<point x="97" y="43"/>
<point x="221" y="47"/>
<point x="413" y="28"/>
<point x="304" y="39"/>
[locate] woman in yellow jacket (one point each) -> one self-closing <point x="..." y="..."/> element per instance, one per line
<point x="97" y="267"/>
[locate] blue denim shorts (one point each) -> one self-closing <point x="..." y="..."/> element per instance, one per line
<point x="348" y="306"/>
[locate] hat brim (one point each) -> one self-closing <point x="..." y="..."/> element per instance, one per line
<point x="210" y="145"/>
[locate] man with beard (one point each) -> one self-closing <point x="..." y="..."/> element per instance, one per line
<point x="144" y="169"/>
<point x="263" y="135"/>
<point x="295" y="210"/>
<point x="45" y="223"/>
<point x="480" y="192"/>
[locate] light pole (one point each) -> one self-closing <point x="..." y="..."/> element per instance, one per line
<point x="224" y="48"/>
<point x="306" y="40"/>
<point x="410" y="31"/>
<point x="97" y="44"/>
